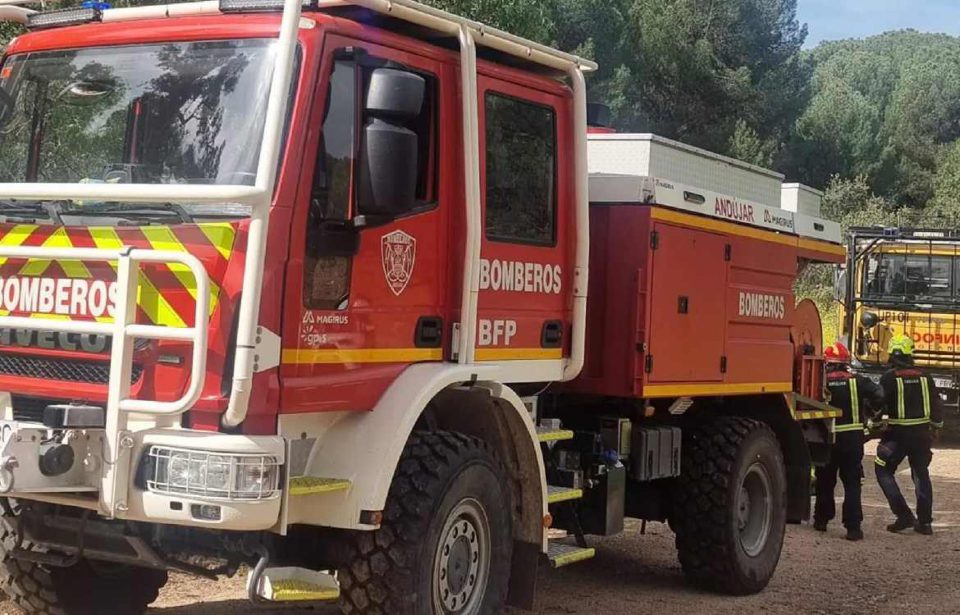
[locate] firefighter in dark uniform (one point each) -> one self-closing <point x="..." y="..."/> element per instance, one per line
<point x="856" y="396"/>
<point x="915" y="416"/>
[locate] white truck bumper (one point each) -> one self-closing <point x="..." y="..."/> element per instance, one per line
<point x="180" y="477"/>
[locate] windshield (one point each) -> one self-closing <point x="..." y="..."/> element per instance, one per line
<point x="911" y="277"/>
<point x="173" y="113"/>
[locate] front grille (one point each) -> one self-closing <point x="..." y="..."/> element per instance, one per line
<point x="66" y="370"/>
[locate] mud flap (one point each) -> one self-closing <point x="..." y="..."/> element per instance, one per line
<point x="523" y="575"/>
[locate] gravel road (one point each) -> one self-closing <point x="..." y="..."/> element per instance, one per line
<point x="633" y="574"/>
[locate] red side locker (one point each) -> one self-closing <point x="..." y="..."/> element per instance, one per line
<point x="687" y="318"/>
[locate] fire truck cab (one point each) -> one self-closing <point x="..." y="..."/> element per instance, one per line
<point x="903" y="281"/>
<point x="303" y="287"/>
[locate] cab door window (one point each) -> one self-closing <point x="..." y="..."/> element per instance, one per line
<point x="332" y="235"/>
<point x="521" y="171"/>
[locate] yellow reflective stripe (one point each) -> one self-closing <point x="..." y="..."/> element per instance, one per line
<point x="59" y="239"/>
<point x="162" y="238"/>
<point x="926" y="397"/>
<point x="298" y="356"/>
<point x="901" y="408"/>
<point x="880" y="462"/>
<point x="50" y="316"/>
<point x="909" y="422"/>
<point x="846" y="428"/>
<point x="855" y="402"/>
<point x="221" y="235"/>
<point x="16" y="237"/>
<point x="151" y="301"/>
<point x="518" y="354"/>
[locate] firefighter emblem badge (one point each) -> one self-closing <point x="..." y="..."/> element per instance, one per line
<point x="399" y="258"/>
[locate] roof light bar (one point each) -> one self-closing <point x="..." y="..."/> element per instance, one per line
<point x="64" y="17"/>
<point x="259" y="6"/>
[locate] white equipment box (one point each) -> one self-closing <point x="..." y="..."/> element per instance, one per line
<point x="647" y="169"/>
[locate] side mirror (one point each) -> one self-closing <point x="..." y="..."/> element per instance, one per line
<point x="840" y="284"/>
<point x="869" y="320"/>
<point x="387" y="184"/>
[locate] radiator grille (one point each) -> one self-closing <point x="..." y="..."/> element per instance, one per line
<point x="66" y="370"/>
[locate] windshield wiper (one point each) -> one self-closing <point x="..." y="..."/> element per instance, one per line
<point x="52" y="210"/>
<point x="130" y="211"/>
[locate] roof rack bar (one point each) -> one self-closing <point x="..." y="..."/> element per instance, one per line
<point x="485" y="36"/>
<point x="15" y="14"/>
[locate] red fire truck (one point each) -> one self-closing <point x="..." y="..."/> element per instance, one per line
<point x="303" y="286"/>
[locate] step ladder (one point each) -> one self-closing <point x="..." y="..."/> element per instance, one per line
<point x="564" y="548"/>
<point x="288" y="585"/>
<point x="315" y="485"/>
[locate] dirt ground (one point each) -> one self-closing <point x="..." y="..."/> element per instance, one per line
<point x="632" y="574"/>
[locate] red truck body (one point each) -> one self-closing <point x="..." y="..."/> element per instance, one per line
<point x="688" y="306"/>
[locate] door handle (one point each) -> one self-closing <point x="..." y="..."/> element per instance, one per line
<point x="429" y="332"/>
<point x="551" y="335"/>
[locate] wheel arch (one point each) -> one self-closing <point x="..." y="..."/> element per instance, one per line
<point x="365" y="447"/>
<point x="793" y="435"/>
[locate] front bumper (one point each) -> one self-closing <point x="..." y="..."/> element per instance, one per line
<point x="25" y="475"/>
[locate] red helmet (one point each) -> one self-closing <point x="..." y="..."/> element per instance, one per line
<point x="837" y="353"/>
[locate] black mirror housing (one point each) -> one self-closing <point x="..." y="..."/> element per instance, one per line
<point x="388" y="170"/>
<point x="387" y="180"/>
<point x="395" y="94"/>
<point x="869" y="320"/>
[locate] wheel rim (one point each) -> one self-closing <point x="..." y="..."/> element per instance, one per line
<point x="754" y="509"/>
<point x="461" y="565"/>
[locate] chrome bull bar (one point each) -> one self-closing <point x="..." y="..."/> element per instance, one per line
<point x="124" y="331"/>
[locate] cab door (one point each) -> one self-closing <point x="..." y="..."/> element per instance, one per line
<point x="525" y="277"/>
<point x="365" y="293"/>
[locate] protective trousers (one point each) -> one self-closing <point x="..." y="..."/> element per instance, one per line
<point x="913" y="444"/>
<point x="846" y="459"/>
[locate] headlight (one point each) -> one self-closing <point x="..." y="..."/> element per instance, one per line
<point x="212" y="475"/>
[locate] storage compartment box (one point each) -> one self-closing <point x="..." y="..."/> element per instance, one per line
<point x="647" y="155"/>
<point x="602" y="511"/>
<point x="656" y="453"/>
<point x="801" y="199"/>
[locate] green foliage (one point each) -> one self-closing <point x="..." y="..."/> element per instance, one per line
<point x="943" y="211"/>
<point x="7" y="32"/>
<point x="883" y="108"/>
<point x="533" y="20"/>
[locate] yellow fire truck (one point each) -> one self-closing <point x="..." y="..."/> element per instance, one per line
<point x="903" y="281"/>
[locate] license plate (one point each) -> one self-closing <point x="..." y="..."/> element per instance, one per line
<point x="943" y="383"/>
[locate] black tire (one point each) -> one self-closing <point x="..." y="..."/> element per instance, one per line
<point x="392" y="571"/>
<point x="721" y="546"/>
<point x="85" y="589"/>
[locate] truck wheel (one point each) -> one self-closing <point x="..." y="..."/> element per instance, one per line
<point x="89" y="588"/>
<point x="446" y="540"/>
<point x="729" y="506"/>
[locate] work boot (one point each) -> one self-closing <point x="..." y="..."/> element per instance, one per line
<point x="900" y="525"/>
<point x="855" y="534"/>
<point x="820" y="526"/>
<point x="923" y="528"/>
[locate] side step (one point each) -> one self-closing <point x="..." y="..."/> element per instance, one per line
<point x="313" y="485"/>
<point x="555" y="494"/>
<point x="297" y="585"/>
<point x="561" y="555"/>
<point x="552" y="434"/>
